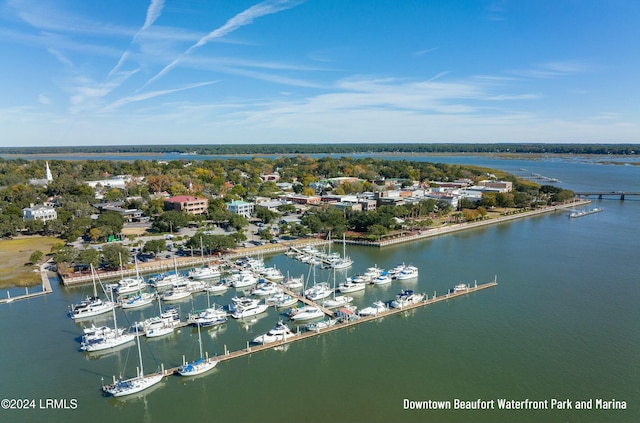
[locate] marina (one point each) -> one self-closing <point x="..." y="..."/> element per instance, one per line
<point x="553" y="328"/>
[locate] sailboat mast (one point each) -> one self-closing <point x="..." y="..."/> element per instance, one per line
<point x="139" y="354"/>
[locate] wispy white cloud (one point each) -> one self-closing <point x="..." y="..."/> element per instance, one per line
<point x="425" y="51"/>
<point x="88" y="95"/>
<point x="243" y="18"/>
<point x="557" y="69"/>
<point x="152" y="94"/>
<point x="153" y="13"/>
<point x="44" y="99"/>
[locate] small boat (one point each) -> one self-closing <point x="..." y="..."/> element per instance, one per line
<point x="107" y="342"/>
<point x="131" y="284"/>
<point x="371" y="273"/>
<point x="351" y="285"/>
<point x="177" y="292"/>
<point x="199" y="366"/>
<point x="134" y="385"/>
<point x="405" y="298"/>
<point x="318" y="291"/>
<point x="461" y="287"/>
<point x="164" y="281"/>
<point x="382" y="279"/>
<point x="217" y="287"/>
<point x="306" y="313"/>
<point x="161" y="325"/>
<point x="377" y="308"/>
<point x="141" y="299"/>
<point x="243" y="279"/>
<point x="265" y="288"/>
<point x="272" y="274"/>
<point x="409" y="272"/>
<point x="205" y="272"/>
<point x="321" y="325"/>
<point x="208" y="317"/>
<point x="280" y="332"/>
<point x="337" y="301"/>
<point x="92" y="305"/>
<point x="294" y="283"/>
<point x="246" y="307"/>
<point x="281" y="300"/>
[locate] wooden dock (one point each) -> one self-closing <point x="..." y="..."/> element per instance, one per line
<point x="46" y="289"/>
<point x="226" y="356"/>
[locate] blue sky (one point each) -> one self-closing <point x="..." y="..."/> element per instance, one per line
<point x="318" y="71"/>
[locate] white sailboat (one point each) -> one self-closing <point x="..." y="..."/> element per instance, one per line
<point x="345" y="261"/>
<point x="129" y="285"/>
<point x="204" y="272"/>
<point x="336" y="301"/>
<point x="199" y="366"/>
<point x="91" y="306"/>
<point x="134" y="385"/>
<point x="105" y="343"/>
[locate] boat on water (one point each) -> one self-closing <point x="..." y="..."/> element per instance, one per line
<point x="377" y="308"/>
<point x="281" y="300"/>
<point x="371" y="273"/>
<point x="178" y="291"/>
<point x="217" y="287"/>
<point x="580" y="213"/>
<point x="163" y="324"/>
<point x="352" y="285"/>
<point x="294" y="283"/>
<point x="405" y="298"/>
<point x="243" y="279"/>
<point x="337" y="301"/>
<point x="134" y="385"/>
<point x="272" y="274"/>
<point x="242" y="307"/>
<point x="306" y="313"/>
<point x="381" y="279"/>
<point x="324" y="324"/>
<point x="164" y="281"/>
<point x="107" y="342"/>
<point x="263" y="289"/>
<point x="280" y="332"/>
<point x="92" y="305"/>
<point x="129" y="285"/>
<point x="344" y="261"/>
<point x="199" y="366"/>
<point x="140" y="299"/>
<point x="408" y="272"/>
<point x="318" y="291"/>
<point x="204" y="272"/>
<point x="461" y="287"/>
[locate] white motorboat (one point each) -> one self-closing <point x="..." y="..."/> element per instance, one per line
<point x="177" y="292"/>
<point x="318" y="291"/>
<point x="294" y="283"/>
<point x="280" y="332"/>
<point x="210" y="316"/>
<point x="377" y="308"/>
<point x="405" y="298"/>
<point x="95" y="333"/>
<point x="265" y="288"/>
<point x="306" y="313"/>
<point x="371" y="273"/>
<point x="217" y="287"/>
<point x="140" y="299"/>
<point x="321" y="325"/>
<point x="92" y="305"/>
<point x="337" y="301"/>
<point x="199" y="366"/>
<point x="134" y="385"/>
<point x="164" y="281"/>
<point x="161" y="325"/>
<point x="246" y="307"/>
<point x="461" y="287"/>
<point x="281" y="300"/>
<point x="408" y="272"/>
<point x="344" y="261"/>
<point x="382" y="279"/>
<point x="197" y="285"/>
<point x="272" y="274"/>
<point x="243" y="279"/>
<point x="206" y="272"/>
<point x="351" y="285"/>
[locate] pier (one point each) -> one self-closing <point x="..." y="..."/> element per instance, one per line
<point x="227" y="355"/>
<point x="46" y="289"/>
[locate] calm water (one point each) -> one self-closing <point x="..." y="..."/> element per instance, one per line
<point x="564" y="323"/>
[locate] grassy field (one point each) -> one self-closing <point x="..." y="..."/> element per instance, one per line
<point x="14" y="255"/>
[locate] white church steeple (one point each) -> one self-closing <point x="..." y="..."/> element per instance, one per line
<point x="49" y="176"/>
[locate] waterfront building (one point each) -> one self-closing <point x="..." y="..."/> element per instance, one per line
<point x="187" y="204"/>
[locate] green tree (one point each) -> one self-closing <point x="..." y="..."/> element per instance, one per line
<point x="170" y="221"/>
<point x="155" y="246"/>
<point x="113" y="253"/>
<point x="377" y="231"/>
<point x="89" y="256"/>
<point x="111" y="223"/>
<point x="36" y="256"/>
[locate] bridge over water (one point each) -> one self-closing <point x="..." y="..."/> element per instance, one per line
<point x="601" y="194"/>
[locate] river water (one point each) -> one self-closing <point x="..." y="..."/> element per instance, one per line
<point x="563" y="324"/>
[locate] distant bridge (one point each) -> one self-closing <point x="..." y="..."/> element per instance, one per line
<point x="600" y="194"/>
